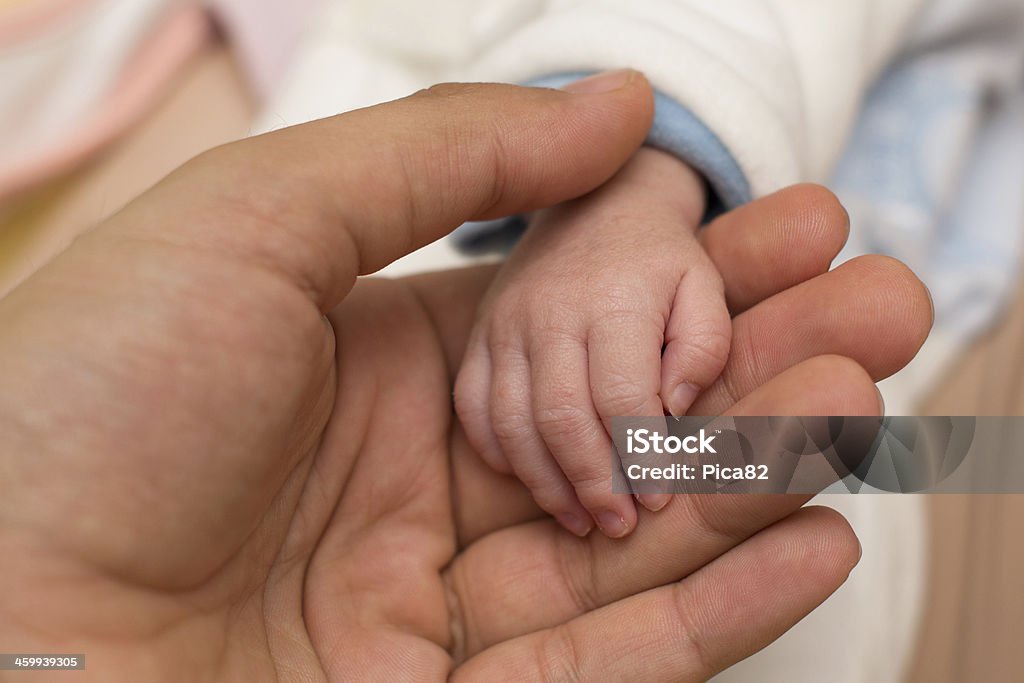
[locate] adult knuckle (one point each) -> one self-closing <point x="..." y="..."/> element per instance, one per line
<point x="558" y="656"/>
<point x="692" y="640"/>
<point x="710" y="517"/>
<point x="576" y="566"/>
<point x="743" y="368"/>
<point x="500" y="162"/>
<point x="451" y="90"/>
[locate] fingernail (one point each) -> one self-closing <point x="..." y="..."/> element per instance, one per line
<point x="575" y="524"/>
<point x="612" y="524"/>
<point x="654" y="501"/>
<point x="682" y="398"/>
<point x="881" y="401"/>
<point x="603" y="82"/>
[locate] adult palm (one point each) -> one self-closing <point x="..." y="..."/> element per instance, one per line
<point x="221" y="461"/>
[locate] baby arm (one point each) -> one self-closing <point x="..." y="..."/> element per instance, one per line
<point x="607" y="307"/>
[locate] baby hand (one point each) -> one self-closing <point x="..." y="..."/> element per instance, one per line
<point x="607" y="307"/>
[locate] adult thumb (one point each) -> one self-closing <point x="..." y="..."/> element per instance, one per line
<point x="329" y="200"/>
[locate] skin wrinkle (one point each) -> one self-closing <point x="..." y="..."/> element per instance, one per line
<point x="411" y="213"/>
<point x="286" y="564"/>
<point x="554" y="658"/>
<point x="390" y="510"/>
<point x="456" y="646"/>
<point x="690" y="624"/>
<point x="457" y="616"/>
<point x="574" y="554"/>
<point x="266" y="211"/>
<point x="500" y="166"/>
<point x="269" y="624"/>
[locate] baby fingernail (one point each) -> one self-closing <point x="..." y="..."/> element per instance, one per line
<point x="575" y="523"/>
<point x="682" y="398"/>
<point x="654" y="501"/>
<point x="612" y="524"/>
<point x="603" y="82"/>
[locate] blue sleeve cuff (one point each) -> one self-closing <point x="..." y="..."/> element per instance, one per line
<point x="675" y="130"/>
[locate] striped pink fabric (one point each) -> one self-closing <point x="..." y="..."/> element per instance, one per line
<point x="142" y="81"/>
<point x="264" y="34"/>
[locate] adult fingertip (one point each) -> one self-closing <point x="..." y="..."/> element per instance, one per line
<point x="850" y="390"/>
<point x="822" y="385"/>
<point x="835" y="539"/>
<point x="776" y="242"/>
<point x="920" y="305"/>
<point x="617" y="105"/>
<point x="823" y="212"/>
<point x="603" y="82"/>
<point x="901" y="297"/>
<point x="822" y="222"/>
<point x="548" y="145"/>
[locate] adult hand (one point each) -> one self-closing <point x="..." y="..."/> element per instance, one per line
<point x="216" y="464"/>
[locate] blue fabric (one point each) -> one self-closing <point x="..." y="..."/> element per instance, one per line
<point x="678" y="131"/>
<point x="675" y="130"/>
<point x="932" y="176"/>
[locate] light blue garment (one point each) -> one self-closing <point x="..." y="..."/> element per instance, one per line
<point x="934" y="175"/>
